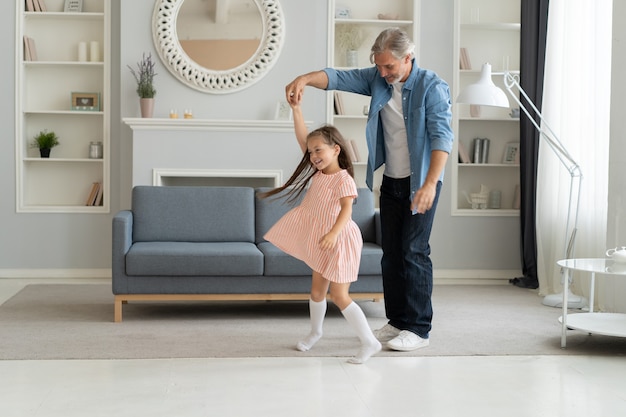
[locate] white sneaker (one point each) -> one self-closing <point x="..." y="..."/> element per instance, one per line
<point x="386" y="333"/>
<point x="407" y="341"/>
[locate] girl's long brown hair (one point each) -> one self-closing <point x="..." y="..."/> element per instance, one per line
<point x="305" y="170"/>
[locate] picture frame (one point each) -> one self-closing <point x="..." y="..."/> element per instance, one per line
<point x="343" y="13"/>
<point x="73" y="6"/>
<point x="85" y="101"/>
<point x="283" y="111"/>
<point x="511" y="153"/>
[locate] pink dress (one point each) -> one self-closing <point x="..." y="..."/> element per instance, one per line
<point x="299" y="231"/>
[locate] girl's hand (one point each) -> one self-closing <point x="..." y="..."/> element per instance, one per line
<point x="328" y="241"/>
<point x="294" y="105"/>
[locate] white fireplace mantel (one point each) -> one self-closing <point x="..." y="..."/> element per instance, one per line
<point x="212" y="152"/>
<point x="138" y="123"/>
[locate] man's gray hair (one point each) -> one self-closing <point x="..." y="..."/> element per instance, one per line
<point x="394" y="40"/>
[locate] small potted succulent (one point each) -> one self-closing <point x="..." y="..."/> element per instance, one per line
<point x="45" y="141"/>
<point x="144" y="75"/>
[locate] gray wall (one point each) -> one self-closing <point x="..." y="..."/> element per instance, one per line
<point x="81" y="241"/>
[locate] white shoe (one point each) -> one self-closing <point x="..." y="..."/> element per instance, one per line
<point x="407" y="341"/>
<point x="386" y="333"/>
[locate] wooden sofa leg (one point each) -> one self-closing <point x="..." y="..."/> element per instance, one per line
<point x="117" y="310"/>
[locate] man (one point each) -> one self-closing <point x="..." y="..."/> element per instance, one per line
<point x="408" y="130"/>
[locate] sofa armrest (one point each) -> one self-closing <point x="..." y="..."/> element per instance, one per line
<point x="122" y="234"/>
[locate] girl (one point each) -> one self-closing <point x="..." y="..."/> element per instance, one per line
<point x="320" y="231"/>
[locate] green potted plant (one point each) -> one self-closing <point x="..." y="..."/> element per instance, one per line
<point x="45" y="141"/>
<point x="144" y="75"/>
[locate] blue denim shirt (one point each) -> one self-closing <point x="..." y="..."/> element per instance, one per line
<point x="427" y="116"/>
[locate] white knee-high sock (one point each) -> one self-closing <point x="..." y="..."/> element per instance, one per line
<point x="369" y="344"/>
<point x="317" y="311"/>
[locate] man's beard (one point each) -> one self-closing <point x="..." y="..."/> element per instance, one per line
<point x="395" y="80"/>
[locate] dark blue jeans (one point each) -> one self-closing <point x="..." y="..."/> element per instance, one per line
<point x="406" y="265"/>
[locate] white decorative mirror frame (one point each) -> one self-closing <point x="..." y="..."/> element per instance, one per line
<point x="213" y="81"/>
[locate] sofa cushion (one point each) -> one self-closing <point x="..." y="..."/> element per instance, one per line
<point x="270" y="210"/>
<point x="371" y="256"/>
<point x="363" y="214"/>
<point x="194" y="259"/>
<point x="278" y="263"/>
<point x="193" y="214"/>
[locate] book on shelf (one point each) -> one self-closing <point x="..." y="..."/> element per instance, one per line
<point x="468" y="62"/>
<point x="517" y="197"/>
<point x="99" y="195"/>
<point x="355" y="149"/>
<point x="465" y="63"/>
<point x="463" y="154"/>
<point x="42" y="5"/>
<point x="480" y="150"/>
<point x="32" y="49"/>
<point x="339" y="109"/>
<point x="484" y="152"/>
<point x="476" y="151"/>
<point x="350" y="150"/>
<point x="30" y="6"/>
<point x="93" y="194"/>
<point x="462" y="63"/>
<point x="27" y="55"/>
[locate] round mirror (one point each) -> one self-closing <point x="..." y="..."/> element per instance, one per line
<point x="218" y="46"/>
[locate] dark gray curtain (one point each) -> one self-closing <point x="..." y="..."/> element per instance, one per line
<point x="534" y="19"/>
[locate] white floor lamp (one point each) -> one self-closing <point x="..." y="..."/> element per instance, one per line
<point x="485" y="93"/>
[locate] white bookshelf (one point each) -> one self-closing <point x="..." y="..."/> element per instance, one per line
<point x="490" y="32"/>
<point x="364" y="15"/>
<point x="43" y="99"/>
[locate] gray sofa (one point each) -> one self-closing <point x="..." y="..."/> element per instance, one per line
<point x="206" y="243"/>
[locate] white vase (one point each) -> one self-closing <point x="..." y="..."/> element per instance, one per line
<point x="352" y="58"/>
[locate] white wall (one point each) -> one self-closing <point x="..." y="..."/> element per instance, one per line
<point x="74" y="241"/>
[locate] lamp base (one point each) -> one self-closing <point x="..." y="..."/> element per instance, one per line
<point x="573" y="301"/>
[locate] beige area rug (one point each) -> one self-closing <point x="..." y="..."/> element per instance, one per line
<point x="75" y="321"/>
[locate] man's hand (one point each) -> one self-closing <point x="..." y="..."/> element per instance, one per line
<point x="423" y="199"/>
<point x="295" y="89"/>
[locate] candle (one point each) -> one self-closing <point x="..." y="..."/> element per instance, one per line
<point x="94" y="51"/>
<point x="82" y="51"/>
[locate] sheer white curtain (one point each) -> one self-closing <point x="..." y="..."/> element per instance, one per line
<point x="576" y="101"/>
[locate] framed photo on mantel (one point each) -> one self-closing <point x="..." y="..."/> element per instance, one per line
<point x="73" y="6"/>
<point x="283" y="111"/>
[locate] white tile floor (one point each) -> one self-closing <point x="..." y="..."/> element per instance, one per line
<point x="421" y="386"/>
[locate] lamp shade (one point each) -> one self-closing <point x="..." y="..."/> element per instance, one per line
<point x="484" y="92"/>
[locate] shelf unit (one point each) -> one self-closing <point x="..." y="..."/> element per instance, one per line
<point x="490" y="32"/>
<point x="44" y="87"/>
<point x="364" y="15"/>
